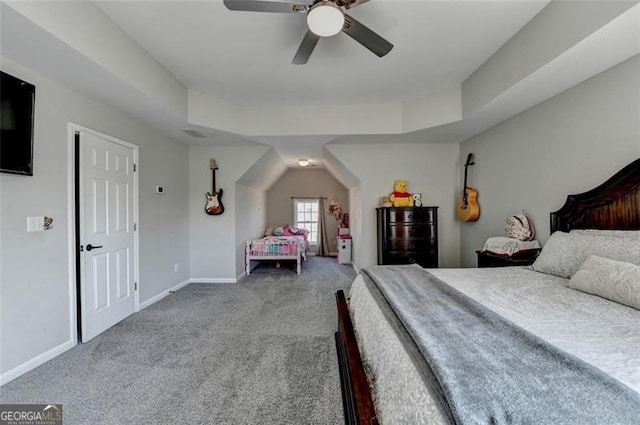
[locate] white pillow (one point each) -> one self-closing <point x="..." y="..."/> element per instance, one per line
<point x="614" y="280"/>
<point x="630" y="234"/>
<point x="563" y="253"/>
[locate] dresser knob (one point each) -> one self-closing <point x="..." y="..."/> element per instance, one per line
<point x="411" y="246"/>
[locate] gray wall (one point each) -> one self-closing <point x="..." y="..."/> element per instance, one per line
<point x="355" y="200"/>
<point x="305" y="183"/>
<point x="431" y="169"/>
<point x="37" y="306"/>
<point x="164" y="220"/>
<point x="251" y="205"/>
<point x="567" y="144"/>
<point x="213" y="241"/>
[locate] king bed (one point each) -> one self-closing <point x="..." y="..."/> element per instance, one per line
<point x="556" y="342"/>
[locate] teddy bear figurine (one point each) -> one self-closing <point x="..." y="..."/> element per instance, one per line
<point x="417" y="199"/>
<point x="400" y="197"/>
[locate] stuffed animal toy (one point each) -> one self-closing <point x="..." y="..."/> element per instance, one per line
<point x="336" y="210"/>
<point x="385" y="202"/>
<point x="520" y="227"/>
<point x="400" y="197"/>
<point x="417" y="199"/>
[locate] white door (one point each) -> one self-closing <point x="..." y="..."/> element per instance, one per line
<point x="106" y="233"/>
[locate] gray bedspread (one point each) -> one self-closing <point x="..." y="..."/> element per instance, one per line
<point x="483" y="368"/>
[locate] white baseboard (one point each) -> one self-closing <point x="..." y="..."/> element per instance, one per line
<point x="56" y="351"/>
<point x="163" y="294"/>
<point x="241" y="276"/>
<point x="185" y="283"/>
<point x="213" y="280"/>
<point x="36" y="361"/>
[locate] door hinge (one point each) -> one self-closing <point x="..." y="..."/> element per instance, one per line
<point x="134" y="167"/>
<point x="135" y="286"/>
<point x="135" y="226"/>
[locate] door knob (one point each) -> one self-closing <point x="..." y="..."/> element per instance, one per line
<point x="90" y="247"/>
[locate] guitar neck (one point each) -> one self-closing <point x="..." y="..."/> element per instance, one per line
<point x="214" y="166"/>
<point x="469" y="162"/>
<point x="464" y="190"/>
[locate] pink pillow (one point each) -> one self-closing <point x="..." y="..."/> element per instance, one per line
<point x="291" y="231"/>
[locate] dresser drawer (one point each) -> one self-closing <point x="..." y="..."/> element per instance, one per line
<point x="406" y="230"/>
<point x="411" y="215"/>
<point x="425" y="259"/>
<point x="416" y="244"/>
<point x="408" y="235"/>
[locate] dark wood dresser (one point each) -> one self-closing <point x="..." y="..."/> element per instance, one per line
<point x="408" y="235"/>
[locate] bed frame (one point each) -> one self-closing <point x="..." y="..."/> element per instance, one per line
<point x="260" y="250"/>
<point x="615" y="204"/>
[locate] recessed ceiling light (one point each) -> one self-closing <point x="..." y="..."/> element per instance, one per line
<point x="303" y="162"/>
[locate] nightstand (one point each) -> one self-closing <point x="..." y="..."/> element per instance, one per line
<point x="486" y="259"/>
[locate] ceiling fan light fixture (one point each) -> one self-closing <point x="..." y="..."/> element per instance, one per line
<point x="325" y="19"/>
<point x="303" y="162"/>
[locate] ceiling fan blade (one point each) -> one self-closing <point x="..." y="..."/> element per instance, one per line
<point x="350" y="4"/>
<point x="306" y="48"/>
<point x="366" y="37"/>
<point x="264" y="6"/>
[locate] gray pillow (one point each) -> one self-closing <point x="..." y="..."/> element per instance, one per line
<point x="563" y="253"/>
<point x="614" y="280"/>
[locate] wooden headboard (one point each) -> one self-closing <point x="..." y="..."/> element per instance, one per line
<point x="615" y="204"/>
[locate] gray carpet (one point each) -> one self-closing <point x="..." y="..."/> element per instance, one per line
<point x="257" y="352"/>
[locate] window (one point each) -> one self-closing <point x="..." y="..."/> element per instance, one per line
<point x="305" y="215"/>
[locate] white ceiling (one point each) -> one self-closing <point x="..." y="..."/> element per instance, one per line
<point x="241" y="61"/>
<point x="245" y="57"/>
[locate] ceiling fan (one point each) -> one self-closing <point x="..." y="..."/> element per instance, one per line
<point x="325" y="18"/>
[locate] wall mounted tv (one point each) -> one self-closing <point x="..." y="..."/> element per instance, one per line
<point x="17" y="100"/>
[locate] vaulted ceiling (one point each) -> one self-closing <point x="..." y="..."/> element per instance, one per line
<point x="245" y="57"/>
<point x="228" y="74"/>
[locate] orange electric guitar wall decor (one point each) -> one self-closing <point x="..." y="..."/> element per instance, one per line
<point x="468" y="210"/>
<point x="214" y="199"/>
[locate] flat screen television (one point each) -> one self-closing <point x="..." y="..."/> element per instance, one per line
<point x="17" y="100"/>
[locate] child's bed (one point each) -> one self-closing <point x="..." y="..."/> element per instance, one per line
<point x="278" y="244"/>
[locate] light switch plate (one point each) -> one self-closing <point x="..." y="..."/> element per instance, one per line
<point x="35" y="224"/>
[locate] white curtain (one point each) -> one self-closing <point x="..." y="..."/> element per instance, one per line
<point x="322" y="249"/>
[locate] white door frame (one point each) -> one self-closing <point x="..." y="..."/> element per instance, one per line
<point x="72" y="129"/>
